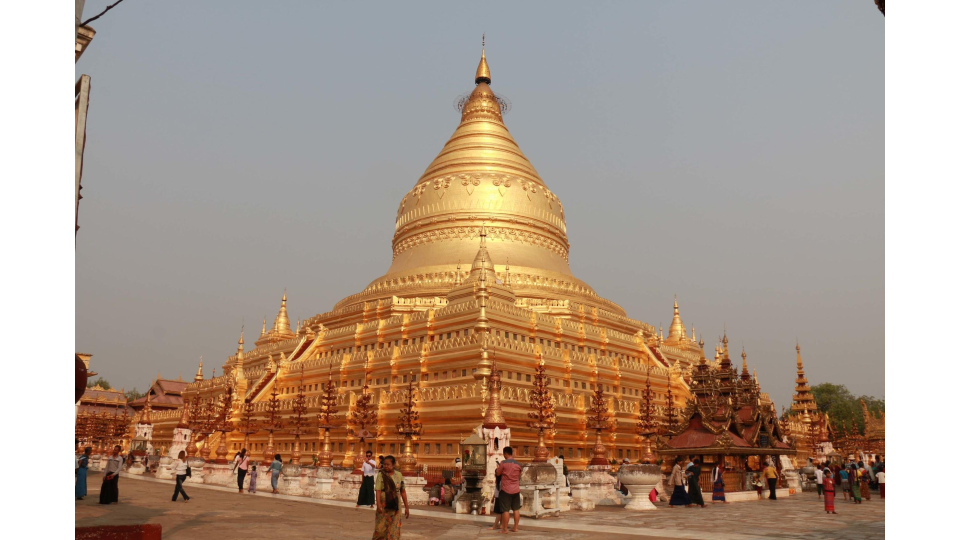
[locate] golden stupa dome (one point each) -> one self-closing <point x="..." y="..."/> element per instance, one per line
<point x="481" y="181"/>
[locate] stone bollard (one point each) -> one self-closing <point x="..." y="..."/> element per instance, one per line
<point x="196" y="470"/>
<point x="290" y="479"/>
<point x="580" y="498"/>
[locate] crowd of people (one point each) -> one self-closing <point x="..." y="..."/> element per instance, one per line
<point x="856" y="481"/>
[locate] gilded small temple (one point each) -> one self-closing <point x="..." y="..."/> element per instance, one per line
<point x="480" y="259"/>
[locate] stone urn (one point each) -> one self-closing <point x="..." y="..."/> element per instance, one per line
<point x="639" y="478"/>
<point x="291" y="469"/>
<point x="538" y="474"/>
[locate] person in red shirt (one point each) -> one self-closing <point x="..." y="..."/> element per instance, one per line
<point x="509" y="499"/>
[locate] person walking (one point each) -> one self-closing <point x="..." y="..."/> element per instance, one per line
<point x="252" y="488"/>
<point x="679" y="495"/>
<point x="110" y="490"/>
<point x="771" y="475"/>
<point x="369" y="468"/>
<point x="829" y="490"/>
<point x="509" y="471"/>
<point x="495" y="506"/>
<point x="693" y="480"/>
<point x="881" y="481"/>
<point x="241" y="463"/>
<point x="180" y="470"/>
<point x="864" y="482"/>
<point x="390" y="490"/>
<point x="818" y="473"/>
<point x="275" y="468"/>
<point x="718" y="484"/>
<point x="855" y="483"/>
<point x="845" y="482"/>
<point x="83" y="464"/>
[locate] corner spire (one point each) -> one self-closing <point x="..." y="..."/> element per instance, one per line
<point x="199" y="376"/>
<point x="483" y="70"/>
<point x="677" y="333"/>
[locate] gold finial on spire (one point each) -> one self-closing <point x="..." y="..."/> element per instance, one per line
<point x="199" y="375"/>
<point x="506" y="273"/>
<point x="263" y="331"/>
<point x="483" y="70"/>
<point x="458" y="281"/>
<point x="241" y="338"/>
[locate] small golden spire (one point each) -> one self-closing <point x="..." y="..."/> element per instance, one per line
<point x="506" y="278"/>
<point x="241" y="338"/>
<point x="458" y="281"/>
<point x="263" y="330"/>
<point x="494" y="415"/>
<point x="483" y="70"/>
<point x="199" y="375"/>
<point x="744" y="356"/>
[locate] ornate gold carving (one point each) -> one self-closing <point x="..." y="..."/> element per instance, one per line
<point x="499" y="233"/>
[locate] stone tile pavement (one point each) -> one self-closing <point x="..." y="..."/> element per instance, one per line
<point x="221" y="513"/>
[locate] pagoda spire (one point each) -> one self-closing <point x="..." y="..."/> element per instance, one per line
<point x="803" y="399"/>
<point x="282" y="323"/>
<point x="263" y="330"/>
<point x="494" y="416"/>
<point x="145" y="413"/>
<point x="745" y="374"/>
<point x="184" y="416"/>
<point x="199" y="376"/>
<point x="483" y="70"/>
<point x="677" y="332"/>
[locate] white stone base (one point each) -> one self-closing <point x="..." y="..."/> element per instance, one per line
<point x="290" y="485"/>
<point x="219" y="474"/>
<point x="639" y="498"/>
<point x="137" y="468"/>
<point x="533" y="500"/>
<point x="746" y="496"/>
<point x="416" y="496"/>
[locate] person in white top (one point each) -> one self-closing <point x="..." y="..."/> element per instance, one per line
<point x="367" y="497"/>
<point x="818" y="472"/>
<point x="110" y="491"/>
<point x="181" y="473"/>
<point x="241" y="463"/>
<point x="882" y="481"/>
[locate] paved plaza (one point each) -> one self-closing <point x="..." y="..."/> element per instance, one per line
<point x="219" y="512"/>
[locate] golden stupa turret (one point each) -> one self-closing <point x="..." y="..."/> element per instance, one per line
<point x="480" y="176"/>
<point x="199" y="376"/>
<point x="281" y="326"/>
<point x="677" y="332"/>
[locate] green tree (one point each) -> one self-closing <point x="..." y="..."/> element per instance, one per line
<point x="134" y="394"/>
<point x="843" y="406"/>
<point x="101" y="381"/>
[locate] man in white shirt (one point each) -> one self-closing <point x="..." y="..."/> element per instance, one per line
<point x="109" y="491"/>
<point x="367" y="497"/>
<point x="818" y="472"/>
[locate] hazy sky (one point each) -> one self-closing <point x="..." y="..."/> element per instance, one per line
<point x="731" y="153"/>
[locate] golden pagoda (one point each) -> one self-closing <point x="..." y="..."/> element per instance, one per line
<point x="430" y="322"/>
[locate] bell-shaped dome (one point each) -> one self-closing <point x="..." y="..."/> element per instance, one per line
<point x="480" y="180"/>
